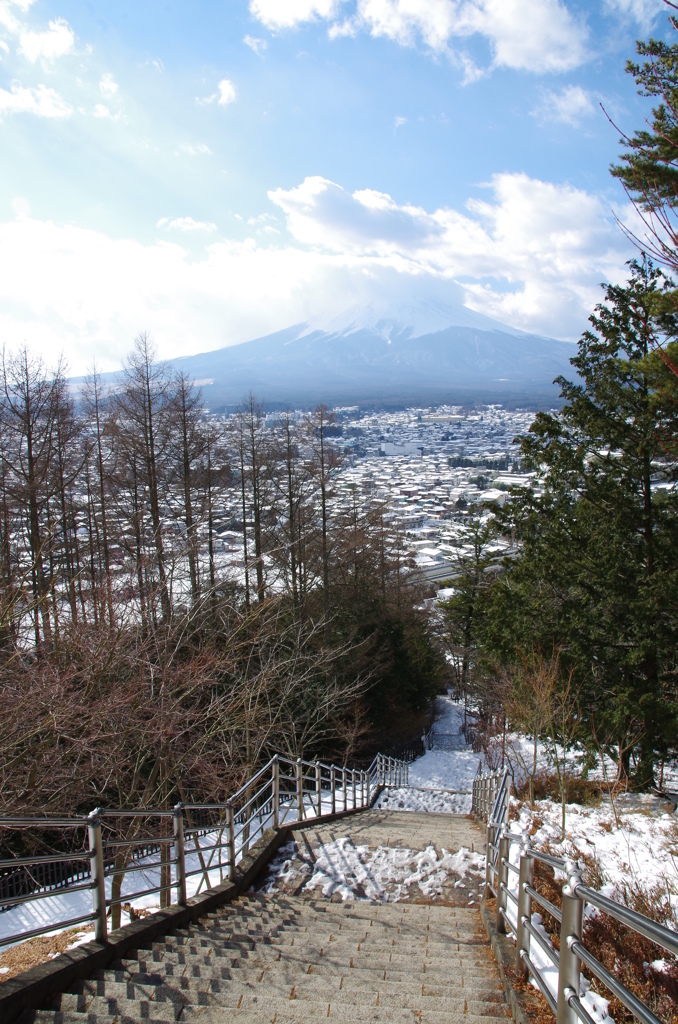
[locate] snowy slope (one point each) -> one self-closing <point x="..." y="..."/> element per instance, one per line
<point x="409" y="319"/>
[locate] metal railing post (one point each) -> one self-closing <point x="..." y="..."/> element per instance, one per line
<point x="502" y="882"/>
<point x="525" y="878"/>
<point x="343" y="786"/>
<point x="96" y="861"/>
<point x="363" y="788"/>
<point x="488" y="862"/>
<point x="180" y="854"/>
<point x="333" y="787"/>
<point x="354" y="787"/>
<point x="318" y="788"/>
<point x="300" y="790"/>
<point x="230" y="839"/>
<point x="570" y="964"/>
<point x="275" y="792"/>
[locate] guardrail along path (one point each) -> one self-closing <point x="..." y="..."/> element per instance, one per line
<point x="289" y="958"/>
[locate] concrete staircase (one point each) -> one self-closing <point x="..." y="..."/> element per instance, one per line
<point x="294" y="959"/>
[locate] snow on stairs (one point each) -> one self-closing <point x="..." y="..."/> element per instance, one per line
<point x="292" y="958"/>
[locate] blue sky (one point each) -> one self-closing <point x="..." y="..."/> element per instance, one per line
<point x="211" y="172"/>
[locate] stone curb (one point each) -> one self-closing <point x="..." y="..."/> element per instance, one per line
<point x="31" y="989"/>
<point x="504" y="954"/>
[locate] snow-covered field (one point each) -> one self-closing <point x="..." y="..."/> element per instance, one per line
<point x="639" y="850"/>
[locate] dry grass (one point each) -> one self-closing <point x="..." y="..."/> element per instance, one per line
<point x="630" y="956"/>
<point x="622" y="951"/>
<point x="36" y="951"/>
<point x="579" y="791"/>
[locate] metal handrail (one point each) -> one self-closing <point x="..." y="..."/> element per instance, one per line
<point x="306" y="790"/>
<point x="46" y="822"/>
<point x="631" y="1002"/>
<point x="549" y="907"/>
<point x="645" y="926"/>
<point x="490" y="801"/>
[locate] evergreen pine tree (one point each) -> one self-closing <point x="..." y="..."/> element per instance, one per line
<point x="597" y="577"/>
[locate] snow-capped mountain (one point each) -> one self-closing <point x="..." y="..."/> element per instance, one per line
<point x="425" y="351"/>
<point x="413" y="319"/>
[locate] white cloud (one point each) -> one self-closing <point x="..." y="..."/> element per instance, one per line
<point x="643" y="12"/>
<point x="566" y="106"/>
<point x="226" y="93"/>
<point x="321" y="213"/>
<point x="104" y="112"/>
<point x="40" y="101"/>
<point x="399" y="121"/>
<point x="199" y="149"/>
<point x="289" y="13"/>
<point x="8" y="18"/>
<point x="532" y="35"/>
<point x="57" y="41"/>
<point x="185" y="224"/>
<point x="108" y="87"/>
<point x="257" y="45"/>
<point x="531" y="254"/>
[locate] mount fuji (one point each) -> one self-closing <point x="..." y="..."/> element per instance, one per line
<point x="386" y="354"/>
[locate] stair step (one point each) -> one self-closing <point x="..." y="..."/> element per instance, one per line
<point x="315" y="1004"/>
<point x="351" y="984"/>
<point x="295" y="1012"/>
<point x="450" y="974"/>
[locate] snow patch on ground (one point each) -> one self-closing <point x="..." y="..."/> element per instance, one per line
<point x="419" y="800"/>
<point x="641" y="849"/>
<point x="444" y="768"/>
<point x="386" y="874"/>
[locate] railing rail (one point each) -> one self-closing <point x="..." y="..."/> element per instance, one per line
<point x="157" y="850"/>
<point x="514" y="912"/>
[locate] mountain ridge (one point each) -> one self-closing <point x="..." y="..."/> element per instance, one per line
<point x="385" y="355"/>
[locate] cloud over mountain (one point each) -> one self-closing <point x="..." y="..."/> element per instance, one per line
<point x="531" y="254"/>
